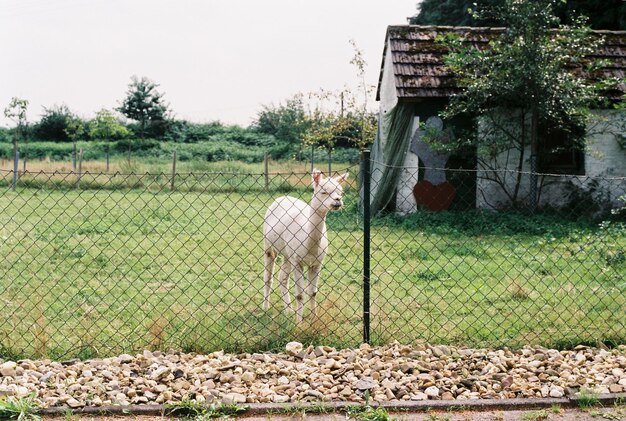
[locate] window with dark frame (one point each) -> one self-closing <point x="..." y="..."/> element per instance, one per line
<point x="559" y="153"/>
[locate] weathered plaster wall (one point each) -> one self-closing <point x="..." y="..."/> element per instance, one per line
<point x="605" y="163"/>
<point x="405" y="201"/>
<point x="388" y="93"/>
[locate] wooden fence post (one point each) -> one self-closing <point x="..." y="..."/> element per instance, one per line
<point x="266" y="170"/>
<point x="16" y="158"/>
<point x="172" y="186"/>
<point x="80" y="167"/>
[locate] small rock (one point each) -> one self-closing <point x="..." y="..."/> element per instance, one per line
<point x="161" y="373"/>
<point x="125" y="358"/>
<point x="507" y="382"/>
<point x="366" y="383"/>
<point x="248" y="377"/>
<point x="447" y="396"/>
<point x="419" y="396"/>
<point x="293" y="348"/>
<point x="7" y="369"/>
<point x="557" y="392"/>
<point x="616" y="388"/>
<point x="73" y="403"/>
<point x="432" y="391"/>
<point x="280" y="398"/>
<point x="233" y="398"/>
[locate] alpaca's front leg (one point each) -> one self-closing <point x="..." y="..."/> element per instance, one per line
<point x="298" y="278"/>
<point x="283" y="279"/>
<point x="314" y="273"/>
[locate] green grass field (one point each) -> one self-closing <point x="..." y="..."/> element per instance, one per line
<point x="89" y="272"/>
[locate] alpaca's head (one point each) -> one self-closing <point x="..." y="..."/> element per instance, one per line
<point x="327" y="192"/>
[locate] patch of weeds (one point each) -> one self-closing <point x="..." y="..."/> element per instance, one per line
<point x="367" y="413"/>
<point x="518" y="291"/>
<point x="555" y="409"/>
<point x="69" y="415"/>
<point x="303" y="410"/>
<point x="21" y="409"/>
<point x="535" y="415"/>
<point x="587" y="399"/>
<point x="428" y="275"/>
<point x="498" y="416"/>
<point x="198" y="411"/>
<point x="610" y="415"/>
<point x="615" y="258"/>
<point x="433" y="416"/>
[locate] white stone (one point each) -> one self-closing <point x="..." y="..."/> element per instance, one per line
<point x="557" y="392"/>
<point x="280" y="398"/>
<point x="419" y="396"/>
<point x="432" y="391"/>
<point x="293" y="348"/>
<point x="233" y="398"/>
<point x="7" y="369"/>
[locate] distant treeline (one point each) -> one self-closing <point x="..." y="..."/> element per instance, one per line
<point x="275" y="132"/>
<point x="207" y="150"/>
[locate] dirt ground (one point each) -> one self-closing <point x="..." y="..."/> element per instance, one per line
<point x="614" y="413"/>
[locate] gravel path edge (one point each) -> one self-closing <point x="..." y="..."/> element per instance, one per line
<point x="410" y="406"/>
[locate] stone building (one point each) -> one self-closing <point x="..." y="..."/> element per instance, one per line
<point x="413" y="77"/>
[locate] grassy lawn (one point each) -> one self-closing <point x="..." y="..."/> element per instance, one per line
<point x="89" y="272"/>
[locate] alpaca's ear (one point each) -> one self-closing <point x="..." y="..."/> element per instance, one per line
<point x="317" y="176"/>
<point x="342" y="178"/>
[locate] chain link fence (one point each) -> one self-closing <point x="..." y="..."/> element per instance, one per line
<point x="108" y="263"/>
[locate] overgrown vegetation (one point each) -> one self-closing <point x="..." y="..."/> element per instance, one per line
<point x="602" y="14"/>
<point x="21" y="409"/>
<point x="198" y="412"/>
<point x="522" y="89"/>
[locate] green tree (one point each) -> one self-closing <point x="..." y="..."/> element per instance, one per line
<point x="287" y="122"/>
<point x="144" y="104"/>
<point x="106" y="126"/>
<point x="602" y="14"/>
<point x="525" y="70"/>
<point x="53" y="123"/>
<point x="74" y="129"/>
<point x="352" y="124"/>
<point x="452" y="12"/>
<point x="16" y="112"/>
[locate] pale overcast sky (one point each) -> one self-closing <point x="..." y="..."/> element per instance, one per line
<point x="213" y="59"/>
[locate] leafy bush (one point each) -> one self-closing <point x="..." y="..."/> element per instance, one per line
<point x="481" y="222"/>
<point x="53" y="124"/>
<point x="5" y="135"/>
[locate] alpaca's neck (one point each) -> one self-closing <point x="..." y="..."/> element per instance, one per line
<point x="315" y="228"/>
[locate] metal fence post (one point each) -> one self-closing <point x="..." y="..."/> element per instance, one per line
<point x="15" y="166"/>
<point x="365" y="165"/>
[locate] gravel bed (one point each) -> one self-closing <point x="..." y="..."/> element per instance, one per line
<point x="319" y="374"/>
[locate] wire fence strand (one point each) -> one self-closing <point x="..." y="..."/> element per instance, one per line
<point x="123" y="262"/>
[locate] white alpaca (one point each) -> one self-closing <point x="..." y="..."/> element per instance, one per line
<point x="297" y="230"/>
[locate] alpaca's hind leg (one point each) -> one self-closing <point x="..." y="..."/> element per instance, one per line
<point x="314" y="273"/>
<point x="283" y="279"/>
<point x="269" y="260"/>
<point x="298" y="280"/>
